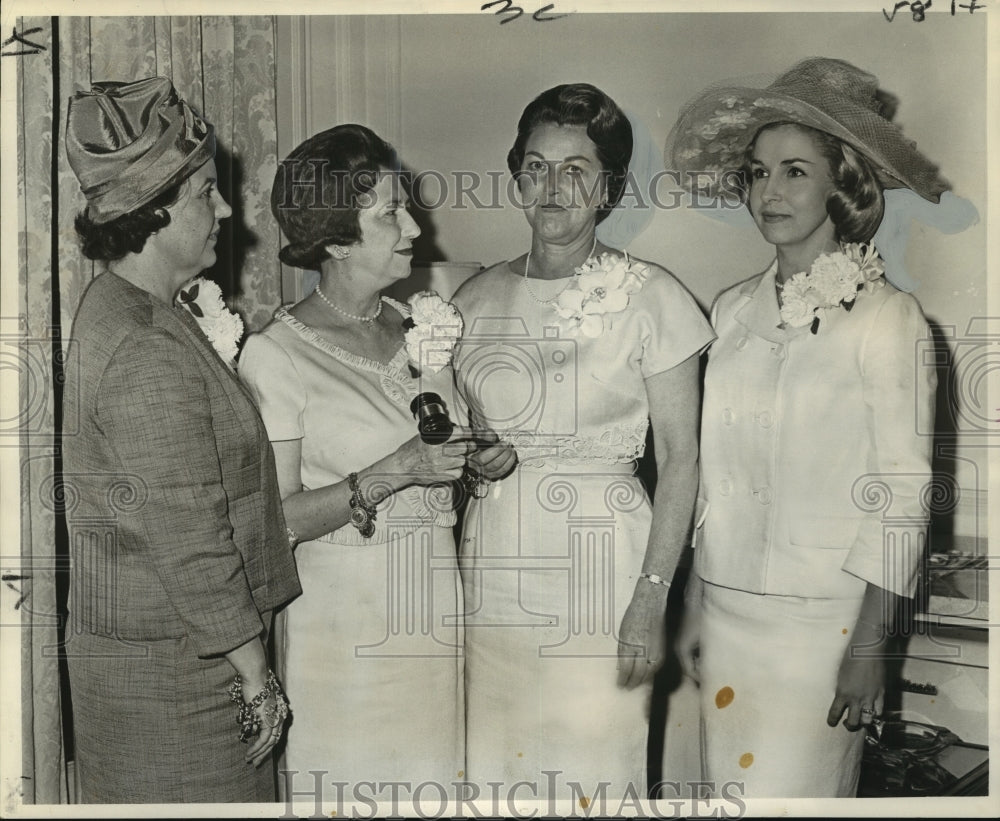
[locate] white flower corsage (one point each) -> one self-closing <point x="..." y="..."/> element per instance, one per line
<point x="833" y="281"/>
<point x="601" y="287"/>
<point x="224" y="329"/>
<point x="432" y="331"/>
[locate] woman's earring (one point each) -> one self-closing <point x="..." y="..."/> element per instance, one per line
<point x="340" y="252"/>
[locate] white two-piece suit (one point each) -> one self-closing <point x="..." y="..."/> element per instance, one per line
<point x="815" y="459"/>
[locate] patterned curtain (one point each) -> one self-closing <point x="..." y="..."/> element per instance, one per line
<point x="225" y="67"/>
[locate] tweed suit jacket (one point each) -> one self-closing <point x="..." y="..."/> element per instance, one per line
<point x="815" y="448"/>
<point x="172" y="501"/>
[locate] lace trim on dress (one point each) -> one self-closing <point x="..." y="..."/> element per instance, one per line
<point x="394" y="376"/>
<point x="432" y="504"/>
<point x="620" y="443"/>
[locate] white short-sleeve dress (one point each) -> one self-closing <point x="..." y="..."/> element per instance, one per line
<point x="551" y="555"/>
<point x="371" y="652"/>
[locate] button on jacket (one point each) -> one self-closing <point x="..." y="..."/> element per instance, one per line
<point x="813" y="464"/>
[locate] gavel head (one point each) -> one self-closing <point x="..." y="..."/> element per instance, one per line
<point x="431" y="413"/>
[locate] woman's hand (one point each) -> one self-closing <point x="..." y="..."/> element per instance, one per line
<point x="423" y="464"/>
<point x="250" y="662"/>
<point x="860" y="680"/>
<point x="492" y="458"/>
<point x="673" y="407"/>
<point x="311" y="513"/>
<point x="642" y="636"/>
<point x="272" y="715"/>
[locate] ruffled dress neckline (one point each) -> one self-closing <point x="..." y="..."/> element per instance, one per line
<point x="311" y="335"/>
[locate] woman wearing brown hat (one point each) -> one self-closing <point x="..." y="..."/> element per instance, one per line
<point x="808" y="419"/>
<point x="178" y="545"/>
<point x="371" y="652"/>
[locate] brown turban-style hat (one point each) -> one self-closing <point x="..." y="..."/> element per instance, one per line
<point x="128" y="142"/>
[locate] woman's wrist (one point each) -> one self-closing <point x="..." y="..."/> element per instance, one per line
<point x="249" y="661"/>
<point x="381" y="479"/>
<point x="652" y="590"/>
<point x="253" y="683"/>
<point x="363" y="511"/>
<point x="249" y="699"/>
<point x="655" y="579"/>
<point x="249" y="687"/>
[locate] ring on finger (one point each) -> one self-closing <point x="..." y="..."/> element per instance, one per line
<point x="867" y="711"/>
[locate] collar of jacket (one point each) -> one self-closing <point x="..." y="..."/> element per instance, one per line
<point x="187" y="324"/>
<point x="759" y="311"/>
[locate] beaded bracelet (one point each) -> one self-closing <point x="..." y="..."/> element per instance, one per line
<point x="247" y="718"/>
<point x="475" y="484"/>
<point x="654" y="579"/>
<point x="362" y="513"/>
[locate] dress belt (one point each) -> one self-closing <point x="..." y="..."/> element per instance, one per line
<point x="564" y="467"/>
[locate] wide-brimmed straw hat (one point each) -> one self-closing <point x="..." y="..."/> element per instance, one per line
<point x="128" y="142"/>
<point x="714" y="129"/>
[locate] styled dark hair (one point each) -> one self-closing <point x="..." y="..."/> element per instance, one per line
<point x="857" y="204"/>
<point x="127" y="234"/>
<point x="607" y="127"/>
<point x="320" y="188"/>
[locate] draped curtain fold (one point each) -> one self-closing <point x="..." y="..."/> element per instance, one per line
<point x="224" y="66"/>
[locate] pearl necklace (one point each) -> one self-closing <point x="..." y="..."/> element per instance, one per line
<point x="553" y="298"/>
<point x="367" y="319"/>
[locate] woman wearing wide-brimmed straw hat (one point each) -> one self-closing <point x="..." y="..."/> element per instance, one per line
<point x="810" y="396"/>
<point x="179" y="547"/>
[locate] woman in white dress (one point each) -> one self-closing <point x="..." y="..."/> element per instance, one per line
<point x="371" y="652"/>
<point x="809" y="434"/>
<point x="565" y="561"/>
